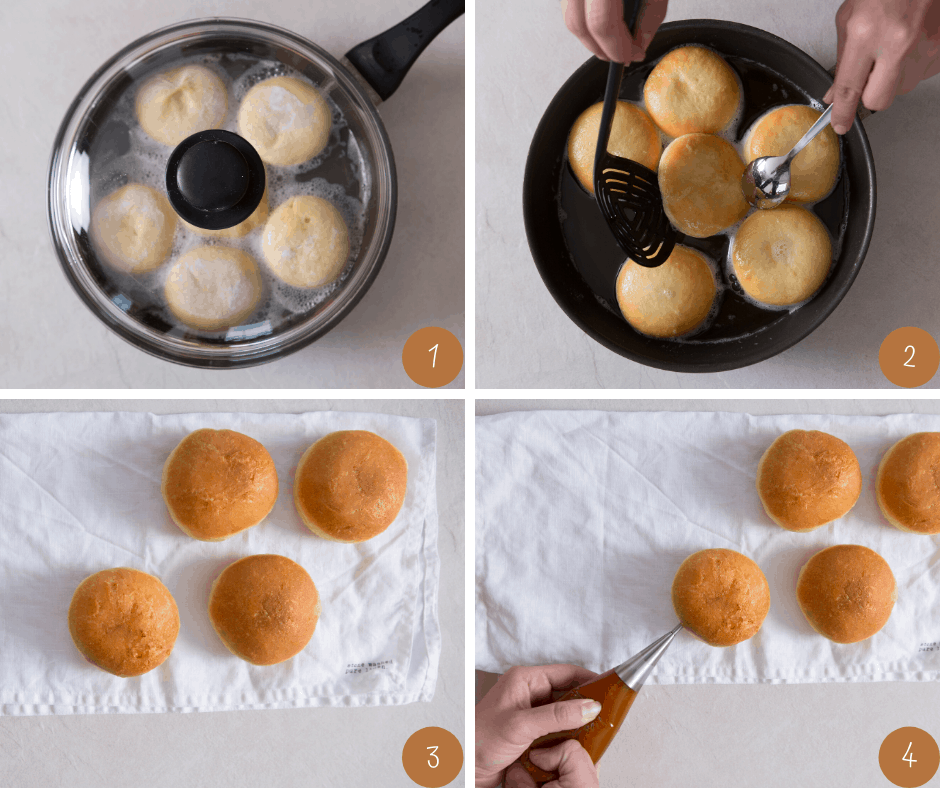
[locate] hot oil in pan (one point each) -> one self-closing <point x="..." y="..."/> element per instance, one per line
<point x="121" y="152"/>
<point x="597" y="256"/>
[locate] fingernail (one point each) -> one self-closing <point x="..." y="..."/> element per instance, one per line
<point x="840" y="129"/>
<point x="589" y="711"/>
<point x="827" y="99"/>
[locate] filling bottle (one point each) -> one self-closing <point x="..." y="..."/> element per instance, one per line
<point x="615" y="690"/>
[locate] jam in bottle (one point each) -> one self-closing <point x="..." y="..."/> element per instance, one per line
<point x="615" y="690"/>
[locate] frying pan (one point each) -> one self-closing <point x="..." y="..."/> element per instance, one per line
<point x="93" y="140"/>
<point x="578" y="257"/>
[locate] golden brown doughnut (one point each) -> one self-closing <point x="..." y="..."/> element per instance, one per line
<point x="217" y="483"/>
<point x="720" y="596"/>
<point x="814" y="170"/>
<point x="908" y="485"/>
<point x="350" y="485"/>
<point x="692" y="89"/>
<point x="671" y="299"/>
<point x="846" y="592"/>
<point x="808" y="479"/>
<point x="264" y="608"/>
<point x="782" y="256"/>
<point x="124" y="621"/>
<point x="632" y="136"/>
<point x="700" y="180"/>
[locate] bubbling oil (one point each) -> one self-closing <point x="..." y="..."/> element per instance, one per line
<point x="341" y="174"/>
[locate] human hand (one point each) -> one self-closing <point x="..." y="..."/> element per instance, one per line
<point x="569" y="759"/>
<point x="885" y="48"/>
<point x="599" y="25"/>
<point x="517" y="711"/>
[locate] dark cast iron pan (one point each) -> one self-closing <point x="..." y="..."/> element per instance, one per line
<point x="578" y="257"/>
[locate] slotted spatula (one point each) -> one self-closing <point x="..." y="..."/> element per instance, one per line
<point x="626" y="191"/>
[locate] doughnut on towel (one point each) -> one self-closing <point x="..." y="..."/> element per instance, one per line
<point x="217" y="483"/>
<point x="124" y="621"/>
<point x="264" y="608"/>
<point x="721" y="596"/>
<point x="846" y="592"/>
<point x="350" y="485"/>
<point x="908" y="485"/>
<point x="807" y="479"/>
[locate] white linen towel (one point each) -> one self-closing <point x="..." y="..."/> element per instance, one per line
<point x="582" y="519"/>
<point x="80" y="492"/>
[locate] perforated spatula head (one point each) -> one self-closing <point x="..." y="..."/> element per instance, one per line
<point x="626" y="191"/>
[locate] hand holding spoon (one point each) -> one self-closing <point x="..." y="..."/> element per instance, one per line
<point x="766" y="180"/>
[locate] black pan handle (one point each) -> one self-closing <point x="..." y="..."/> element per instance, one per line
<point x="384" y="60"/>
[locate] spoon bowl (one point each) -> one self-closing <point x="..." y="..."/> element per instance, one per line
<point x="766" y="180"/>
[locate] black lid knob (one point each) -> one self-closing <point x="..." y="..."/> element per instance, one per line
<point x="214" y="179"/>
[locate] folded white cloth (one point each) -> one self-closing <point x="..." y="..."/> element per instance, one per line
<point x="80" y="492"/>
<point x="582" y="519"/>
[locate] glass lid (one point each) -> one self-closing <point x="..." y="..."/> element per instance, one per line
<point x="222" y="192"/>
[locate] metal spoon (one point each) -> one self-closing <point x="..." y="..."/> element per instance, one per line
<point x="766" y="180"/>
